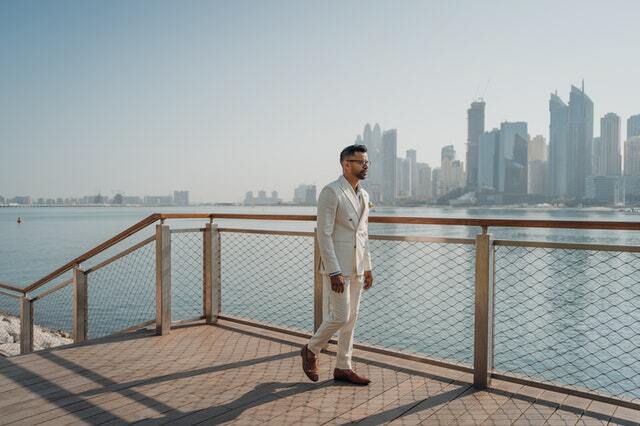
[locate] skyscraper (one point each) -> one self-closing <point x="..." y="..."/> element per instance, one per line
<point x="633" y="126"/>
<point x="181" y="198"/>
<point x="305" y="194"/>
<point x="389" y="155"/>
<point x="367" y="136"/>
<point x="435" y="183"/>
<point x="367" y="140"/>
<point x="580" y="140"/>
<point x="512" y="157"/>
<point x="451" y="171"/>
<point x="423" y="185"/>
<point x="488" y="160"/>
<point x="538" y="176"/>
<point x="610" y="140"/>
<point x="411" y="158"/>
<point x="377" y="137"/>
<point x="375" y="156"/>
<point x="537" y="155"/>
<point x="632" y="156"/>
<point x="538" y="149"/>
<point x="407" y="176"/>
<point x="632" y="169"/>
<point x="558" y="146"/>
<point x="475" y="128"/>
<point x="598" y="167"/>
<point x="447" y="157"/>
<point x="371" y="139"/>
<point x="448" y="152"/>
<point x="457" y="174"/>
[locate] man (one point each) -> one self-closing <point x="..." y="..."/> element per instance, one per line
<point x="345" y="265"/>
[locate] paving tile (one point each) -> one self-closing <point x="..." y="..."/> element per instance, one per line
<point x="231" y="374"/>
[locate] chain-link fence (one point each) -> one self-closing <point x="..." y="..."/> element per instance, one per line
<point x="9" y="324"/>
<point x="563" y="314"/>
<point x="121" y="294"/>
<point x="186" y="274"/>
<point x="268" y="278"/>
<point x="53" y="318"/>
<point x="422" y="300"/>
<point x="569" y="316"/>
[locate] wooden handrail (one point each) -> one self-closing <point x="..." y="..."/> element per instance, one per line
<point x="511" y="223"/>
<point x="309" y="218"/>
<point x="11" y="287"/>
<point x="406" y="220"/>
<point x="94" y="251"/>
<point x="409" y="220"/>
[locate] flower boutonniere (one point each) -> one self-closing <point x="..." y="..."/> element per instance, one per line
<point x="370" y="205"/>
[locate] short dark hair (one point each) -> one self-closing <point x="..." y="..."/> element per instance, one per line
<point x="352" y="149"/>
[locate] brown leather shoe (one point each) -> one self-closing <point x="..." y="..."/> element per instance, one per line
<point x="350" y="376"/>
<point x="309" y="363"/>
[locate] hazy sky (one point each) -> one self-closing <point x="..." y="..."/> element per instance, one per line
<point x="221" y="97"/>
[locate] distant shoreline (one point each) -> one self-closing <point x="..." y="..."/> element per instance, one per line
<point x="428" y="206"/>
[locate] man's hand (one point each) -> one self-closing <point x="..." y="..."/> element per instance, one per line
<point x="368" y="280"/>
<point x="337" y="283"/>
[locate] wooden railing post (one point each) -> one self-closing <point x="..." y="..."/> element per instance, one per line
<point x="212" y="276"/>
<point x="483" y="341"/>
<point x="163" y="279"/>
<point x="26" y="325"/>
<point x="317" y="284"/>
<point x="80" y="305"/>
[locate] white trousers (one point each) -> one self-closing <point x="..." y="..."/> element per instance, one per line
<point x="339" y="314"/>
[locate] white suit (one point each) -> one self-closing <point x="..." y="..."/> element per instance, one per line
<point x="343" y="238"/>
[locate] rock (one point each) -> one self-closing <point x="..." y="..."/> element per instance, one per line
<point x="43" y="337"/>
<point x="5" y="337"/>
<point x="9" y="349"/>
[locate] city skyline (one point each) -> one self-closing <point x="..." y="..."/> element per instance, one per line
<point x="506" y="161"/>
<point x="151" y="95"/>
<point x="486" y="151"/>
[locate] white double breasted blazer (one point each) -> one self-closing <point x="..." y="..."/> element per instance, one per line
<point x="343" y="235"/>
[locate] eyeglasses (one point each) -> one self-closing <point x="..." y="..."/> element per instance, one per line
<point x="361" y="162"/>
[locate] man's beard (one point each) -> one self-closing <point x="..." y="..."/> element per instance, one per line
<point x="362" y="175"/>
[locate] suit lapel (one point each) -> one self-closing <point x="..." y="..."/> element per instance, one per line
<point x="365" y="208"/>
<point x="348" y="193"/>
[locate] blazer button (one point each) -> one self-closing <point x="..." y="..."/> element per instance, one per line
<point x="354" y="246"/>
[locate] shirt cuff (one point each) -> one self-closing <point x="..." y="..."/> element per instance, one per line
<point x="333" y="274"/>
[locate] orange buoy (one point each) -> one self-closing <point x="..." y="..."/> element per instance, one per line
<point x="19" y="220"/>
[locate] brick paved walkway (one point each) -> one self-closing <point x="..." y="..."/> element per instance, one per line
<point x="236" y="374"/>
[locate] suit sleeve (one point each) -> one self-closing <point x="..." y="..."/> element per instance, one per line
<point x="367" y="253"/>
<point x="367" y="256"/>
<point x="327" y="208"/>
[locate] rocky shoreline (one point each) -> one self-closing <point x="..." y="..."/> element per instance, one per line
<point x="42" y="337"/>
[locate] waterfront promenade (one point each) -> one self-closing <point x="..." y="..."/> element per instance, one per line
<point x="236" y="374"/>
<point x="198" y="325"/>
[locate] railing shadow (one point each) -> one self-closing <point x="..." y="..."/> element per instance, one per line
<point x="262" y="394"/>
<point x="81" y="406"/>
<point x="51" y="392"/>
<point x="189" y="373"/>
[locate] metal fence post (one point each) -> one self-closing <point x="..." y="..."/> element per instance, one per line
<point x="483" y="341"/>
<point x="212" y="274"/>
<point x="163" y="279"/>
<point x="26" y="325"/>
<point x="317" y="283"/>
<point x="80" y="305"/>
